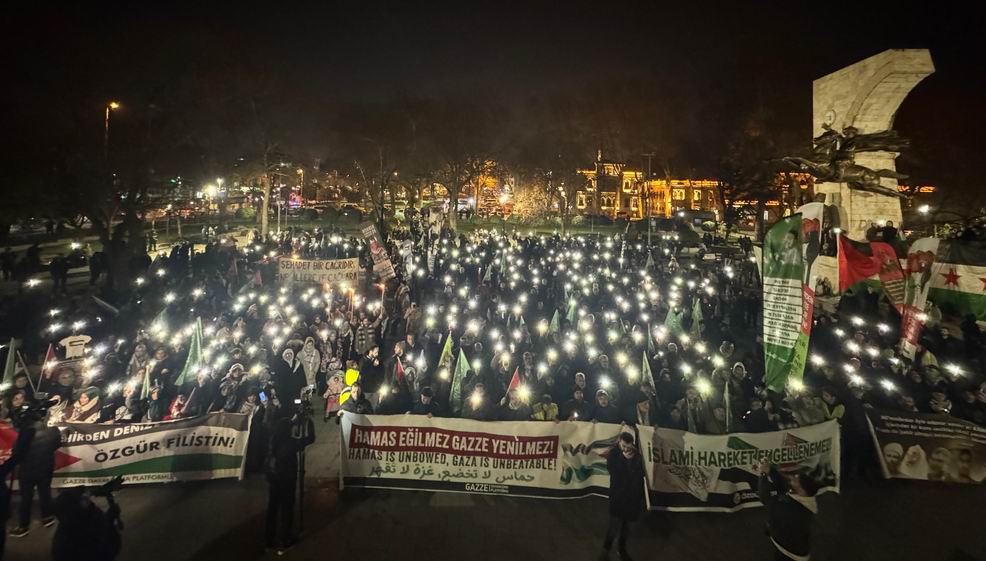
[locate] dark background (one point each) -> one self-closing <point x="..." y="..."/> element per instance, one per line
<point x="678" y="79"/>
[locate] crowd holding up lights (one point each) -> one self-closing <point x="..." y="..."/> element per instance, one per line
<point x="492" y="327"/>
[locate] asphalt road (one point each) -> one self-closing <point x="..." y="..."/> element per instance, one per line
<point x="222" y="520"/>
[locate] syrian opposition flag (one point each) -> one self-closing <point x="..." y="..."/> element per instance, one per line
<point x="959" y="279"/>
<point x="876" y="261"/>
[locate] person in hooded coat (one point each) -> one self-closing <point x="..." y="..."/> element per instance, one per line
<point x="289" y="377"/>
<point x="311" y="361"/>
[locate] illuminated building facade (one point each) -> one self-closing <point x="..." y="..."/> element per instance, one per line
<point x="619" y="190"/>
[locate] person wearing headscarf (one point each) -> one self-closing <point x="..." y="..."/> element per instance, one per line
<point x="86" y="408"/>
<point x="311" y="361"/>
<point x="138" y="361"/>
<point x="289" y="377"/>
<point x="231" y="389"/>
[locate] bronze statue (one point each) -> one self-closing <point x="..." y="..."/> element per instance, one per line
<point x="833" y="159"/>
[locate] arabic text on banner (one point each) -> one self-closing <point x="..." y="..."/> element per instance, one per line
<point x="554" y="460"/>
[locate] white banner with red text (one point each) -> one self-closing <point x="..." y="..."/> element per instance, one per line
<point x="718" y="473"/>
<point x="529" y="458"/>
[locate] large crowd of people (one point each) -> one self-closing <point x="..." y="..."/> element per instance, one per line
<point x="489" y="326"/>
<point x="553" y="328"/>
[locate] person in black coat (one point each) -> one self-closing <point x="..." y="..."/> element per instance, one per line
<point x="626" y="493"/>
<point x="290" y="436"/>
<point x="604" y="411"/>
<point x="33" y="454"/>
<point x="371" y="372"/>
<point x="289" y="377"/>
<point x="791" y="507"/>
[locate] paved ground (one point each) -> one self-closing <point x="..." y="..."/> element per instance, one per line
<point x="224" y="520"/>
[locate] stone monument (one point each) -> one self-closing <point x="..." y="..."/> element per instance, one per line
<point x="865" y="97"/>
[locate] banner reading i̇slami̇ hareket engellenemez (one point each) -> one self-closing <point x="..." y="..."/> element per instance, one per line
<point x="319" y="271"/>
<point x="928" y="447"/>
<point x="552" y="460"/>
<point x="208" y="447"/>
<point x="696" y="472"/>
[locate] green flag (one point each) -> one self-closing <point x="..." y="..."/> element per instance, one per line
<point x="646" y="376"/>
<point x="189" y="372"/>
<point x="555" y="325"/>
<point x="445" y="359"/>
<point x="651" y="348"/>
<point x="572" y="314"/>
<point x="455" y="395"/>
<point x="788" y="298"/>
<point x="673" y="320"/>
<point x="697" y="317"/>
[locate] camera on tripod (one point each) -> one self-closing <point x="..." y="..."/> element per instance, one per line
<point x="303" y="404"/>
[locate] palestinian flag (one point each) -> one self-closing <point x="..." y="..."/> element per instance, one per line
<point x="958" y="285"/>
<point x="871" y="262"/>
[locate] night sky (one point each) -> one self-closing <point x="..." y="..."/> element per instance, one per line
<point x="694" y="74"/>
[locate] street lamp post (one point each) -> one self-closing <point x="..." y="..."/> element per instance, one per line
<point x="106" y="130"/>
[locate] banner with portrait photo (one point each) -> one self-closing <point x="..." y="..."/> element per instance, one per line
<point x="790" y="249"/>
<point x="211" y="446"/>
<point x="928" y="447"/>
<point x="382" y="265"/>
<point x="534" y="459"/>
<point x="319" y="271"/>
<point x="718" y="473"/>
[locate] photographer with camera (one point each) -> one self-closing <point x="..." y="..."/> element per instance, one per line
<point x="85" y="532"/>
<point x="33" y="455"/>
<point x="288" y="440"/>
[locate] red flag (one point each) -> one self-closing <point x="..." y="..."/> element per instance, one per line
<point x="854" y="265"/>
<point x="399" y="371"/>
<point x="515" y="381"/>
